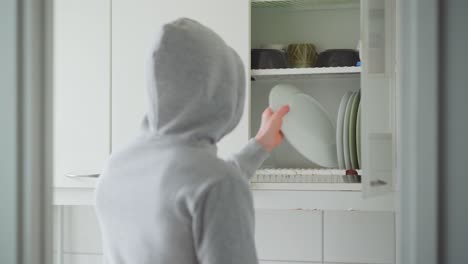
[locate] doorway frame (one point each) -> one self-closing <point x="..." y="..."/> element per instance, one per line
<point x="417" y="211"/>
<point x="25" y="103"/>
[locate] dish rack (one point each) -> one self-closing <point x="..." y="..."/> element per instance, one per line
<point x="306" y="179"/>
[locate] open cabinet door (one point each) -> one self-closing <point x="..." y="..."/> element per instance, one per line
<point x="378" y="95"/>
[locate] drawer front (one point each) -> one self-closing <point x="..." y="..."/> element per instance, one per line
<point x="359" y="237"/>
<point x="289" y="235"/>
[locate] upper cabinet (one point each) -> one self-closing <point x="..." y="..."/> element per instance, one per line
<point x="134" y="26"/>
<point x="358" y="97"/>
<point x="81" y="90"/>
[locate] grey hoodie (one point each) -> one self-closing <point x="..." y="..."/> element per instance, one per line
<point x="166" y="197"/>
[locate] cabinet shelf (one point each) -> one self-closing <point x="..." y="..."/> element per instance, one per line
<point x="267" y="186"/>
<point x="306" y="4"/>
<point x="304" y="72"/>
<point x="305" y="179"/>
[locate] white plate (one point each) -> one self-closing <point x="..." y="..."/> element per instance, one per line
<point x="346" y="132"/>
<point x="358" y="136"/>
<point x="281" y="95"/>
<point x="310" y="131"/>
<point x="339" y="129"/>
<point x="352" y="132"/>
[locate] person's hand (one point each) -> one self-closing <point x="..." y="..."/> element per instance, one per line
<point x="269" y="135"/>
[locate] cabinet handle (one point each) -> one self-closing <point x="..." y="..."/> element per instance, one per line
<point x="82" y="175"/>
<point x="377" y="183"/>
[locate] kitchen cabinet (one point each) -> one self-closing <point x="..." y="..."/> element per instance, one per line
<point x="81" y="90"/>
<point x="359" y="237"/>
<point x="134" y="26"/>
<point x="114" y="88"/>
<point x="100" y="100"/>
<point x="331" y="25"/>
<point x="289" y="235"/>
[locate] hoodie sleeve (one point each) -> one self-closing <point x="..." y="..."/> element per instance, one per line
<point x="223" y="224"/>
<point x="250" y="158"/>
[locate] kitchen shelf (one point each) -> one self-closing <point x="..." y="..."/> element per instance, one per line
<point x="306" y="4"/>
<point x="305" y="179"/>
<point x="266" y="186"/>
<point x="303" y="72"/>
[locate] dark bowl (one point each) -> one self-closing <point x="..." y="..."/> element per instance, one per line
<point x="268" y="59"/>
<point x="337" y="58"/>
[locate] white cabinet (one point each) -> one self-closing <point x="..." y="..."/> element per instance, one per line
<point x="290" y="235"/>
<point x="100" y="99"/>
<point x="100" y="93"/>
<point x="359" y="237"/>
<point x="333" y="25"/>
<point x="81" y="90"/>
<point x="134" y="25"/>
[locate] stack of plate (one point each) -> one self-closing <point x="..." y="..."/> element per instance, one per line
<point x="348" y="131"/>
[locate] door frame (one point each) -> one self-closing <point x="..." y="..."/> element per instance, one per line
<point x="26" y="182"/>
<point x="417" y="233"/>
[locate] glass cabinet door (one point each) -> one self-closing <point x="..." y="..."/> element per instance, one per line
<point x="378" y="95"/>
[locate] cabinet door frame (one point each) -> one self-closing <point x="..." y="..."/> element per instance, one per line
<point x="378" y="88"/>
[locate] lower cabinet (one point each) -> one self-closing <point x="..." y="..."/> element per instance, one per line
<point x="282" y="236"/>
<point x="290" y="236"/>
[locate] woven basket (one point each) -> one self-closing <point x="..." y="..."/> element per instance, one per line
<point x="302" y="55"/>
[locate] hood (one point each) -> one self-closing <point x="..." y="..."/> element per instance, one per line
<point x="195" y="84"/>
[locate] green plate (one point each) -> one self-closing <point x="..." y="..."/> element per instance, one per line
<point x="358" y="135"/>
<point x="352" y="132"/>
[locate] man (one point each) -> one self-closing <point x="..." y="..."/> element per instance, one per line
<point x="167" y="197"/>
